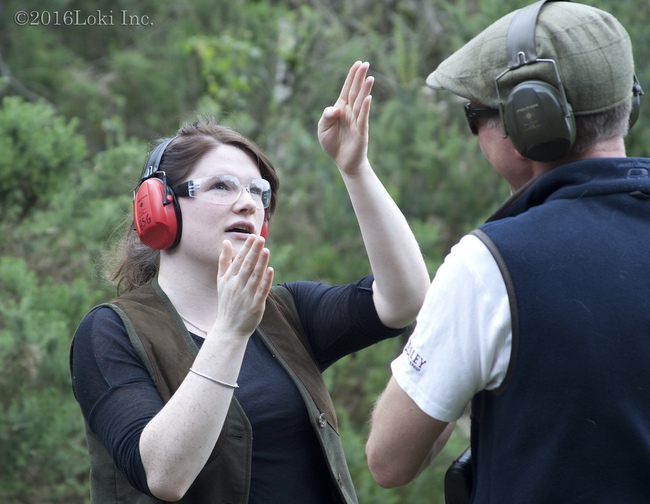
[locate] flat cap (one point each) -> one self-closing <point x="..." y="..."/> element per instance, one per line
<point x="592" y="50"/>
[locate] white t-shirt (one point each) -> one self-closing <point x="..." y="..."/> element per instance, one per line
<point x="461" y="344"/>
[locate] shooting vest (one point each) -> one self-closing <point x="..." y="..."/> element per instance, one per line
<point x="167" y="349"/>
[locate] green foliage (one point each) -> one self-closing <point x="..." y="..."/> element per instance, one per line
<point x="43" y="457"/>
<point x="67" y="240"/>
<point x="37" y="151"/>
<point x="224" y="61"/>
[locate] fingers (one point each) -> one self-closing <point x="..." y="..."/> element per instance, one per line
<point x="343" y="128"/>
<point x="225" y="258"/>
<point x="258" y="266"/>
<point x="249" y="265"/>
<point x="243" y="286"/>
<point x="265" y="285"/>
<point x="364" y="115"/>
<point x="354" y="93"/>
<point x="359" y="88"/>
<point x="356" y="86"/>
<point x="347" y="85"/>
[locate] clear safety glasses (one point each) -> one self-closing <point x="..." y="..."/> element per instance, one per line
<point x="225" y="189"/>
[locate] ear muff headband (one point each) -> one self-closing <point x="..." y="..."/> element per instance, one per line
<point x="156" y="213"/>
<point x="536" y="115"/>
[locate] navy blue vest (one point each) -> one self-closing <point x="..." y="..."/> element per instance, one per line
<point x="571" y="422"/>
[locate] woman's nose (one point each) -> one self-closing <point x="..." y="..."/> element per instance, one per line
<point x="245" y="199"/>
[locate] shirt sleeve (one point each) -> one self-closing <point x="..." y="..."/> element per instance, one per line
<point x="114" y="389"/>
<point x="462" y="342"/>
<point x="339" y="320"/>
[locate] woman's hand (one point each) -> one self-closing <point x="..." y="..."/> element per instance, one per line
<point x="343" y="128"/>
<point x="244" y="282"/>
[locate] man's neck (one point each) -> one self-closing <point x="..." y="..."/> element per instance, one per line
<point x="612" y="148"/>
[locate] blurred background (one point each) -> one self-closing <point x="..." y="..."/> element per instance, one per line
<point x="87" y="85"/>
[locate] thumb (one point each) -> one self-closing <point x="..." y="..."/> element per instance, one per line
<point x="330" y="114"/>
<point x="225" y="258"/>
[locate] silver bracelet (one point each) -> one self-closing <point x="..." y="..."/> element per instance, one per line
<point x="225" y="384"/>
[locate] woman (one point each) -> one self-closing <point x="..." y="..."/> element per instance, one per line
<point x="201" y="382"/>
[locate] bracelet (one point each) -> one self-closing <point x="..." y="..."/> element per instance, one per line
<point x="225" y="384"/>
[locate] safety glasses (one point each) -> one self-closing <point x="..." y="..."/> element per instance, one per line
<point x="223" y="189"/>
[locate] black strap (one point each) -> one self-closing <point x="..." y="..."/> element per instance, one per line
<point x="153" y="160"/>
<point x="521" y="35"/>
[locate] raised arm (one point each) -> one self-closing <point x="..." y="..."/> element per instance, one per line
<point x="401" y="278"/>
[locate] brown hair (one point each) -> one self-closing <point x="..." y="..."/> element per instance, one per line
<point x="135" y="264"/>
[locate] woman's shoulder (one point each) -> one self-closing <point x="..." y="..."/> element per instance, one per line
<point x="103" y="312"/>
<point x="101" y="322"/>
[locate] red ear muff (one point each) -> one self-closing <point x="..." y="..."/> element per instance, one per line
<point x="265" y="229"/>
<point x="156" y="214"/>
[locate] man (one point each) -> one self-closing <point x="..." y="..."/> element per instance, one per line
<point x="541" y="317"/>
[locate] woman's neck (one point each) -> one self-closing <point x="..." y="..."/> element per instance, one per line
<point x="192" y="291"/>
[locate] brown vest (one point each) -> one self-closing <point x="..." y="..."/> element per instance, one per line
<point x="167" y="350"/>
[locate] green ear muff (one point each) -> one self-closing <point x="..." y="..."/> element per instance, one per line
<point x="536" y="115"/>
<point x="535" y="119"/>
